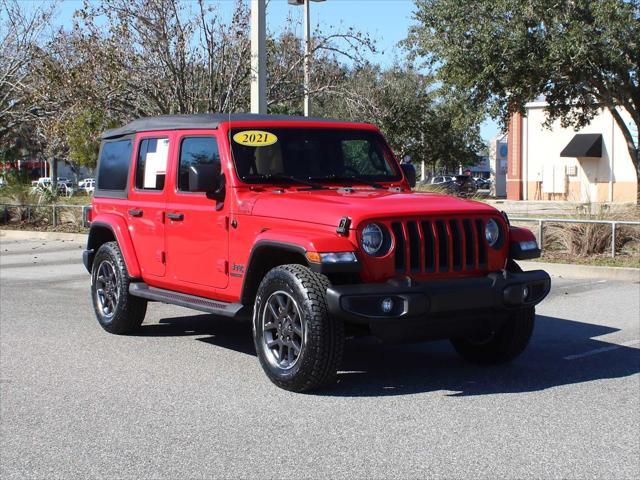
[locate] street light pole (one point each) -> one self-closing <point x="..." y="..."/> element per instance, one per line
<point x="258" y="57"/>
<point x="307" y="51"/>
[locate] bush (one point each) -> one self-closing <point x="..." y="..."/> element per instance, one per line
<point x="19" y="194"/>
<point x="70" y="216"/>
<point x="584" y="239"/>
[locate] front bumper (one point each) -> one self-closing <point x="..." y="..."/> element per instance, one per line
<point x="437" y="308"/>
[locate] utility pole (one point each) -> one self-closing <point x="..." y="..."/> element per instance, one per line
<point x="258" y="57"/>
<point x="307" y="51"/>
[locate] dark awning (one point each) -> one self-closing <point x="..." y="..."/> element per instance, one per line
<point x="584" y="145"/>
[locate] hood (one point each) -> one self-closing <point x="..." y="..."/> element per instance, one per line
<point x="327" y="207"/>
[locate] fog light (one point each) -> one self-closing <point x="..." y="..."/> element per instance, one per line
<point x="515" y="294"/>
<point x="387" y="305"/>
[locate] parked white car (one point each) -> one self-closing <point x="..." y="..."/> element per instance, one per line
<point x="64" y="185"/>
<point x="66" y="188"/>
<point x="88" y="185"/>
<point x="440" y="179"/>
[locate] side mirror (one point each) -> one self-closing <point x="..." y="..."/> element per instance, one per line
<point x="207" y="178"/>
<point x="410" y="173"/>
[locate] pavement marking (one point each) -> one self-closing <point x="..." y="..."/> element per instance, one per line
<point x="603" y="349"/>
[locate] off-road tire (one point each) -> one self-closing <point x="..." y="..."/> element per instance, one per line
<point x="129" y="311"/>
<point x="321" y="354"/>
<point x="502" y="345"/>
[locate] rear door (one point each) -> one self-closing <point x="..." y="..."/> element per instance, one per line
<point x="145" y="212"/>
<point x="196" y="226"/>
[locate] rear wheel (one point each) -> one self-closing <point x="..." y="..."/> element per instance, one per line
<point x="299" y="345"/>
<point x="501" y="345"/>
<point x="116" y="309"/>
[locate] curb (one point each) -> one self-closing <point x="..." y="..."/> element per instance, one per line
<point x="34" y="235"/>
<point x="571" y="270"/>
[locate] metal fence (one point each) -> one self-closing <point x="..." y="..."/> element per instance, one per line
<point x="35" y="214"/>
<point x="541" y="223"/>
<point x="77" y="215"/>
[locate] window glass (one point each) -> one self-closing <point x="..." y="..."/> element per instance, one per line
<point x="151" y="166"/>
<point x="362" y="157"/>
<point x="196" y="151"/>
<point x="114" y="165"/>
<point x="332" y="155"/>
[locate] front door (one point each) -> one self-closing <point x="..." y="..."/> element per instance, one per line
<point x="196" y="231"/>
<point x="146" y="204"/>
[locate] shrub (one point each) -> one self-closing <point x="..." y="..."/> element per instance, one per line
<point x="585" y="239"/>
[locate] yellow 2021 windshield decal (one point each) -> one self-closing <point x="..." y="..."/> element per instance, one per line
<point x="255" y="138"/>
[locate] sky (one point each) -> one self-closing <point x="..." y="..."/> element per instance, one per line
<point x="387" y="21"/>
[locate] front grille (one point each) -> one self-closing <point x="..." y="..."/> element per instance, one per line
<point x="439" y="245"/>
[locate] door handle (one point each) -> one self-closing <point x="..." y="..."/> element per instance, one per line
<point x="135" y="212"/>
<point x="176" y="217"/>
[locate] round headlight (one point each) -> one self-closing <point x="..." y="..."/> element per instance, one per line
<point x="372" y="239"/>
<point x="492" y="232"/>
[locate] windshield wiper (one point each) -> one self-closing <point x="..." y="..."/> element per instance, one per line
<point x="271" y="177"/>
<point x="349" y="178"/>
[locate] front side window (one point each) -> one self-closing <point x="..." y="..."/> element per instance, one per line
<point x="321" y="154"/>
<point x="151" y="166"/>
<point x="113" y="171"/>
<point x="195" y="151"/>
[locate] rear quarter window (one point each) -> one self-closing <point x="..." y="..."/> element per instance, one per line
<point x="113" y="165"/>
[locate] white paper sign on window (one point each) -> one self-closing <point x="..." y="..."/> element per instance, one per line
<point x="156" y="163"/>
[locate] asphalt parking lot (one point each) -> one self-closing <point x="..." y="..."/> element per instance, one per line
<point x="186" y="398"/>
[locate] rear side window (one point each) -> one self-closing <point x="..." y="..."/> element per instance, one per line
<point x="115" y="158"/>
<point x="196" y="151"/>
<point x="151" y="166"/>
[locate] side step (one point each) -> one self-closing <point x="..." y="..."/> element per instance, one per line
<point x="235" y="310"/>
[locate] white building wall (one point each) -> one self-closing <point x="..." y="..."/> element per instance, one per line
<point x="548" y="176"/>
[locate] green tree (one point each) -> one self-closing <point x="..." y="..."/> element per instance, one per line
<point x="496" y="55"/>
<point x="82" y="132"/>
<point x="405" y="104"/>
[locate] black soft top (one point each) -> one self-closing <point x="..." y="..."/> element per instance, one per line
<point x="197" y="121"/>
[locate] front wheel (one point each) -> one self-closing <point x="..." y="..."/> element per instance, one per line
<point x="501" y="345"/>
<point x="299" y="345"/>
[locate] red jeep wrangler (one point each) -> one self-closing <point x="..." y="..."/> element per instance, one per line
<point x="310" y="228"/>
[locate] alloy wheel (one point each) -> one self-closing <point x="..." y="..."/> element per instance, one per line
<point x="107" y="289"/>
<point x="282" y="330"/>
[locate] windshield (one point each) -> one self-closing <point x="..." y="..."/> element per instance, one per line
<point x="328" y="155"/>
